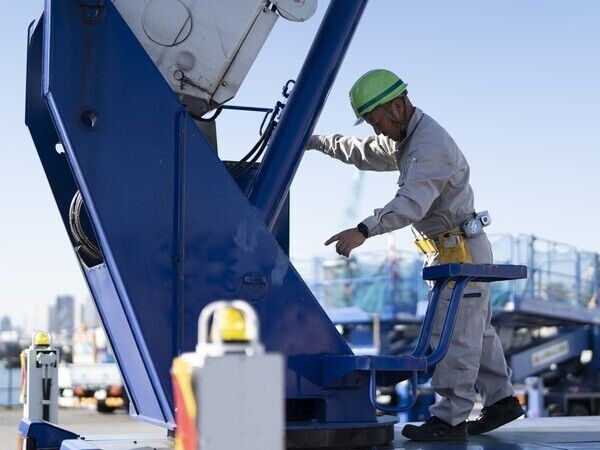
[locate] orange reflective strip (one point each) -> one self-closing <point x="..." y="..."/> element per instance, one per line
<point x="186" y="434"/>
<point x="183" y="375"/>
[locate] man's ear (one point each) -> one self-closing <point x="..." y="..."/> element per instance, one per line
<point x="398" y="106"/>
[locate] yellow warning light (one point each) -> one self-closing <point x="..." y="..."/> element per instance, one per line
<point x="41" y="339"/>
<point x="231" y="324"/>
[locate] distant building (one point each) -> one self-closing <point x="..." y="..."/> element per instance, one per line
<point x="5" y="324"/>
<point x="62" y="315"/>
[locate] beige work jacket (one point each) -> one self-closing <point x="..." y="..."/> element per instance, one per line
<point x="434" y="194"/>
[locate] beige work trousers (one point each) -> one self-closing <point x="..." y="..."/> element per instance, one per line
<point x="475" y="359"/>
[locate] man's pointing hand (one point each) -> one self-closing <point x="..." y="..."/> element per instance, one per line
<point x="347" y="241"/>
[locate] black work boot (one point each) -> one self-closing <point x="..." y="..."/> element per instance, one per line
<point x="436" y="430"/>
<point x="496" y="415"/>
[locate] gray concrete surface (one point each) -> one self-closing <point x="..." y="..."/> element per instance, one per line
<point x="81" y="421"/>
<point x="557" y="433"/>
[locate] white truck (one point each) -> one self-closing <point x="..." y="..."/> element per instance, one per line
<point x="93" y="376"/>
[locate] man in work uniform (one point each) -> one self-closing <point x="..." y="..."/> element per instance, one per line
<point x="435" y="197"/>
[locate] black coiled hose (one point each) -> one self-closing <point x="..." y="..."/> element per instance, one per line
<point x="83" y="244"/>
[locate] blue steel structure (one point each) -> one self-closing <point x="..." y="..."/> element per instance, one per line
<point x="176" y="231"/>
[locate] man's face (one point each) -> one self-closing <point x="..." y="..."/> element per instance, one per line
<point x="387" y="119"/>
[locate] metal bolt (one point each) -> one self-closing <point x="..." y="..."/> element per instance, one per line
<point x="89" y="119"/>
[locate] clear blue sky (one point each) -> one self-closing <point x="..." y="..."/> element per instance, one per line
<point x="514" y="82"/>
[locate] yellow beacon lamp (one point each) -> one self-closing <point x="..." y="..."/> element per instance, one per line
<point x="41" y="339"/>
<point x="231" y="325"/>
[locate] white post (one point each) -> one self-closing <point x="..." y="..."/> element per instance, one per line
<point x="40" y="391"/>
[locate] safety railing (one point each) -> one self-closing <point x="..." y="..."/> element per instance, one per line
<point x="557" y="272"/>
<point x="384" y="285"/>
<point x="390" y="283"/>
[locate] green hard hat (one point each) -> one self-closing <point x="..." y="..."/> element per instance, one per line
<point x="374" y="88"/>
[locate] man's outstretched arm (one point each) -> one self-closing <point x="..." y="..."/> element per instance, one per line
<point x="372" y="153"/>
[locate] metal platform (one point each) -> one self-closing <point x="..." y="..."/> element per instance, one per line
<point x="564" y="433"/>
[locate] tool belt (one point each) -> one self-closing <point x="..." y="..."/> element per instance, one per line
<point x="451" y="246"/>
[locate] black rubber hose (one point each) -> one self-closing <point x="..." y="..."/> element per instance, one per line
<point x="207" y="119"/>
<point x="82" y="242"/>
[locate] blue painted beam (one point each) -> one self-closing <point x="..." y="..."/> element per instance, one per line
<point x="45" y="434"/>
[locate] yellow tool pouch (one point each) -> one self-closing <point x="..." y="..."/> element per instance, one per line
<point x="450" y="246"/>
<point x="453" y="249"/>
<point x="426" y="245"/>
